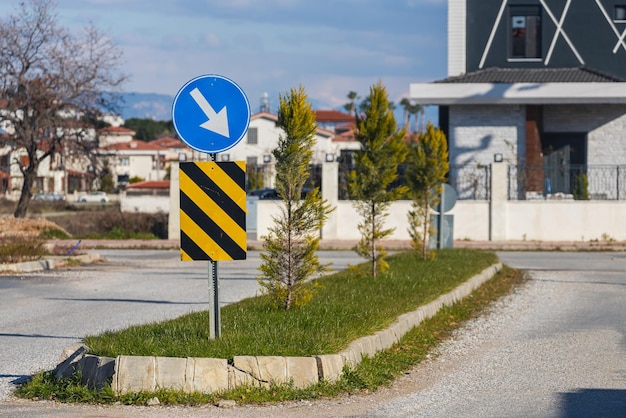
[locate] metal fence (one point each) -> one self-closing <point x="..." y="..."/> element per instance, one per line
<point x="473" y="181"/>
<point x="343" y="180"/>
<point x="567" y="181"/>
<point x="260" y="176"/>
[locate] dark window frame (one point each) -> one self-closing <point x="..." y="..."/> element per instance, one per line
<point x="525" y="33"/>
<point x="253" y="136"/>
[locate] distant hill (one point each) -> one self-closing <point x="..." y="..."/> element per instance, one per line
<point x="146" y="106"/>
<point x="159" y="107"/>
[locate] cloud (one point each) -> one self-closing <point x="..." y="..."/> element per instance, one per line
<point x="328" y="46"/>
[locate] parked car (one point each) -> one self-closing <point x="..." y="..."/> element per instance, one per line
<point x="272" y="194"/>
<point x="94" y="197"/>
<point x="49" y="197"/>
<point x="264" y="193"/>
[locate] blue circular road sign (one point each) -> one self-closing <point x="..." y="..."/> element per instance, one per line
<point x="211" y="113"/>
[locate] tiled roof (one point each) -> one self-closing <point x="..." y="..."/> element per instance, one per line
<point x="150" y="184"/>
<point x="274" y="117"/>
<point x="116" y="130"/>
<point x="266" y="115"/>
<point x="334" y="116"/>
<point x="168" y="142"/>
<point x="347" y="136"/>
<point x="534" y="75"/>
<point x="135" y="144"/>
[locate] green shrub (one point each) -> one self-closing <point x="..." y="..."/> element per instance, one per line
<point x="53" y="233"/>
<point x="17" y="249"/>
<point x="113" y="224"/>
<point x="581" y="187"/>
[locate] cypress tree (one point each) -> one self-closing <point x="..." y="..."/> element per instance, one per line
<point x="427" y="169"/>
<point x="376" y="167"/>
<point x="289" y="256"/>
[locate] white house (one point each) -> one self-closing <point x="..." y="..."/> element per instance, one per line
<point x="135" y="158"/>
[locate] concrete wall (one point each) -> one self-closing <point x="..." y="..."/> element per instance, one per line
<point x="476" y="220"/>
<point x="145" y="204"/>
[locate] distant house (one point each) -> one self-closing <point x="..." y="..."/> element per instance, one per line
<point x="538" y="85"/>
<point x="333" y="119"/>
<point x="176" y="149"/>
<point x="151" y="196"/>
<point x="115" y="135"/>
<point x="135" y="158"/>
<point x="262" y="137"/>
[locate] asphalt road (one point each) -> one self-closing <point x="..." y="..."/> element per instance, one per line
<point x="556" y="348"/>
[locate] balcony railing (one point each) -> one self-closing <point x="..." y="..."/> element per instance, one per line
<point x="573" y="181"/>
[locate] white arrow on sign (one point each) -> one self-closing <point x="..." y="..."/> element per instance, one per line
<point x="217" y="122"/>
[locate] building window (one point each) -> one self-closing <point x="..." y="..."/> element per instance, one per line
<point x="253" y="136"/>
<point x="251" y="160"/>
<point x="620" y="13"/>
<point x="525" y="31"/>
<point x="124" y="161"/>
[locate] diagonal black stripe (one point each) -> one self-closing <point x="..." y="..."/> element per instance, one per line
<point x="191" y="248"/>
<point x="217" y="234"/>
<point x="214" y="191"/>
<point x="235" y="172"/>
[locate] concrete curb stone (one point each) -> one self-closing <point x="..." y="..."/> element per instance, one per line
<point x="48" y="263"/>
<point x="207" y="375"/>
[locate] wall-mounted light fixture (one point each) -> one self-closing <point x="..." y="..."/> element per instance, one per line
<point x="330" y="157"/>
<point x="498" y="158"/>
<point x="267" y="158"/>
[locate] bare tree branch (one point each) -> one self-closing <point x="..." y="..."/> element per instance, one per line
<point x="50" y="79"/>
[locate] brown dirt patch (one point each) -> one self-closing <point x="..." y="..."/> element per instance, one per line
<point x="25" y="227"/>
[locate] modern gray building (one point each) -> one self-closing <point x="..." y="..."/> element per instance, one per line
<point x="540" y="85"/>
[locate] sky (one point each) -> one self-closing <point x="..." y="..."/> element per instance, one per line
<point x="330" y="47"/>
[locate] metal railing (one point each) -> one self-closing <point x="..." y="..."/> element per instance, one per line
<point x="473" y="181"/>
<point x="567" y="181"/>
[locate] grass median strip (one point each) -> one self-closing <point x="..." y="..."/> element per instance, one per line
<point x="345" y="308"/>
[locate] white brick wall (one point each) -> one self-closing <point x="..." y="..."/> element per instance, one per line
<point x="479" y="132"/>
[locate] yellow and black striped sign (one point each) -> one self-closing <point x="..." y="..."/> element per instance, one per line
<point x="213" y="210"/>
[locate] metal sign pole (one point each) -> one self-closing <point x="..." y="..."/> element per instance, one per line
<point x="214" y="294"/>
<point x="440" y="226"/>
<point x="214" y="301"/>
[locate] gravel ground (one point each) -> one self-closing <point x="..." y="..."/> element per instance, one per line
<point x="555" y="348"/>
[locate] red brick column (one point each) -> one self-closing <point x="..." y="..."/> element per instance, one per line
<point x="534" y="156"/>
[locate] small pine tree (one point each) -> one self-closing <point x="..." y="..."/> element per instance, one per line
<point x="376" y="167"/>
<point x="289" y="256"/>
<point x="427" y="169"/>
